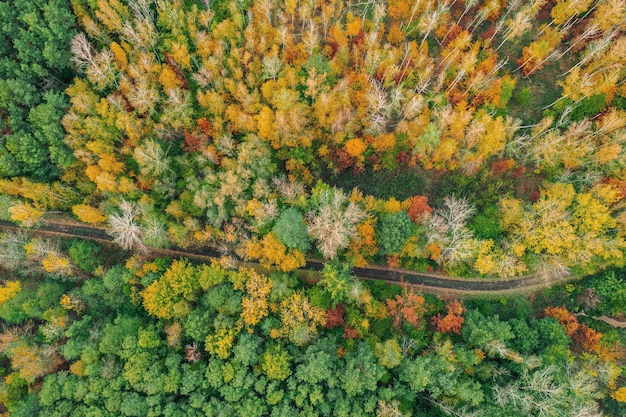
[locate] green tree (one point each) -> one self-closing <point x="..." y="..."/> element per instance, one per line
<point x="389" y="354"/>
<point x="361" y="371"/>
<point x="85" y="254"/>
<point x="319" y="363"/>
<point x="290" y="228"/>
<point x="337" y="280"/>
<point x="35" y="68"/>
<point x="394" y="230"/>
<point x="275" y="362"/>
<point x="486" y="332"/>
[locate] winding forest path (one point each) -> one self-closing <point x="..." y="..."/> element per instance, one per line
<point x="427" y="282"/>
<point x="431" y="283"/>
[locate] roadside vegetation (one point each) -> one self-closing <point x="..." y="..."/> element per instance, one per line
<point x="89" y="333"/>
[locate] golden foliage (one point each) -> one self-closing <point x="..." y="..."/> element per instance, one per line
<point x="485" y="262"/>
<point x="9" y="290"/>
<point x="168" y="78"/>
<point x="26" y="214"/>
<point x="619" y="395"/>
<point x="355" y="147"/>
<point x="33" y="362"/>
<point x="78" y="368"/>
<point x="119" y="55"/>
<point x="272" y="253"/>
<point x="299" y="319"/>
<point x="169" y="296"/>
<point x="220" y="342"/>
<point x="88" y="214"/>
<point x="180" y="54"/>
<point x="255" y="304"/>
<point x="363" y="247"/>
<point x="392" y="206"/>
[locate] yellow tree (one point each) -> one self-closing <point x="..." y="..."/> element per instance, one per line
<point x="255" y="305"/>
<point x="272" y="253"/>
<point x="26" y="214"/>
<point x="9" y="290"/>
<point x="170" y="295"/>
<point x="299" y="319"/>
<point x="88" y="214"/>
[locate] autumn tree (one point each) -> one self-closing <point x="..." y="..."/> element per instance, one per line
<point x="332" y="220"/>
<point x="171" y="295"/>
<point x="417" y="208"/>
<point x="9" y="290"/>
<point x="564" y="227"/>
<point x="300" y="320"/>
<point x="272" y="253"/>
<point x="447" y="228"/>
<point x="255" y="304"/>
<point x="88" y="214"/>
<point x="27" y="214"/>
<point x="451" y="322"/>
<point x="408" y="308"/>
<point x="565" y="318"/>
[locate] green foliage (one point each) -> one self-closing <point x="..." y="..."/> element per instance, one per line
<point x="124" y="362"/>
<point x="290" y="229"/>
<point x="523" y="96"/>
<point x="318" y="363"/>
<point x="13" y="311"/>
<point x="400" y="183"/>
<point x="35" y="52"/>
<point x="526" y="338"/>
<point x="389" y="353"/>
<point x="611" y="287"/>
<point x="171" y="115"/>
<point x="275" y="363"/>
<point x="15" y="394"/>
<point x="588" y="107"/>
<point x="85" y="254"/>
<point x="361" y="371"/>
<point x="198" y="324"/>
<point x="5" y="203"/>
<point x="482" y="331"/>
<point x="506" y="92"/>
<point x="46" y="298"/>
<point x="487" y="224"/>
<point x="336" y="279"/>
<point x="394" y="230"/>
<point x="553" y="341"/>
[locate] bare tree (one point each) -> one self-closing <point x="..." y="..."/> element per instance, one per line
<point x="332" y="223"/>
<point x="12" y="253"/>
<point x="447" y="228"/>
<point x="152" y="159"/>
<point x="125" y="228"/>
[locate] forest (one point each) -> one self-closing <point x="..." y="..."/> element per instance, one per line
<point x="136" y="336"/>
<point x="454" y="137"/>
